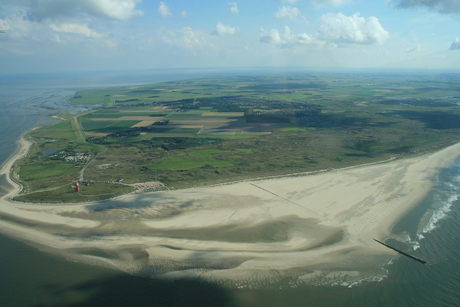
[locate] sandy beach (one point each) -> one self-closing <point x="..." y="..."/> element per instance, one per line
<point x="306" y="227"/>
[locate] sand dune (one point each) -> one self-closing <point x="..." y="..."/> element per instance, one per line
<point x="303" y="227"/>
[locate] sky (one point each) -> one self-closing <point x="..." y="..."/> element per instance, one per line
<point x="39" y="36"/>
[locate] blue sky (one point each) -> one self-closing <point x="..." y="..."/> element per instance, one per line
<point x="91" y="35"/>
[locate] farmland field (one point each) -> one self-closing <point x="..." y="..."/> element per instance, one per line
<point x="194" y="132"/>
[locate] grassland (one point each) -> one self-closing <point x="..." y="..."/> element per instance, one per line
<point x="212" y="130"/>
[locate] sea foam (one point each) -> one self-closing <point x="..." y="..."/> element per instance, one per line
<point x="446" y="194"/>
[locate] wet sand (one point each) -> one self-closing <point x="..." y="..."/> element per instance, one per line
<point x="303" y="226"/>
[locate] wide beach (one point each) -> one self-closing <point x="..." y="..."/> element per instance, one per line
<point x="310" y="227"/>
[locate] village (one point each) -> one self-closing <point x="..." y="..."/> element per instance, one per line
<point x="71" y="157"/>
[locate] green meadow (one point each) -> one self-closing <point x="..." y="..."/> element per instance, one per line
<point x="108" y="126"/>
<point x="45" y="170"/>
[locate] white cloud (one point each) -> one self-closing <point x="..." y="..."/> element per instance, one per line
<point x="442" y="6"/>
<point x="55" y="9"/>
<point x="75" y="29"/>
<point x="49" y="38"/>
<point x="163" y="10"/>
<point x="184" y="13"/>
<point x="272" y="37"/>
<point x="288" y="1"/>
<point x="233" y="8"/>
<point x="122" y="9"/>
<point x="4" y="26"/>
<point x="336" y="29"/>
<point x="288" y="13"/>
<point x="455" y="44"/>
<point x="224" y="30"/>
<point x="302" y="39"/>
<point x="341" y="29"/>
<point x="21" y="36"/>
<point x="287" y="40"/>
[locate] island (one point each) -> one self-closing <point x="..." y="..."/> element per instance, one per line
<point x="235" y="178"/>
<point x="224" y="129"/>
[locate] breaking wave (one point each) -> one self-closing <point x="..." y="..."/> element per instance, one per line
<point x="446" y="194"/>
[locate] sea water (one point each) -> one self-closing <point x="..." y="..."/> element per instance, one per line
<point x="30" y="277"/>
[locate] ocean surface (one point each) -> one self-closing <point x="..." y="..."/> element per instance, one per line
<point x="30" y="277"/>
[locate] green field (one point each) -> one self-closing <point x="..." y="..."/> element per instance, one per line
<point x="62" y="130"/>
<point x="249" y="126"/>
<point x="46" y="170"/>
<point x="108" y="126"/>
<point x="63" y="126"/>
